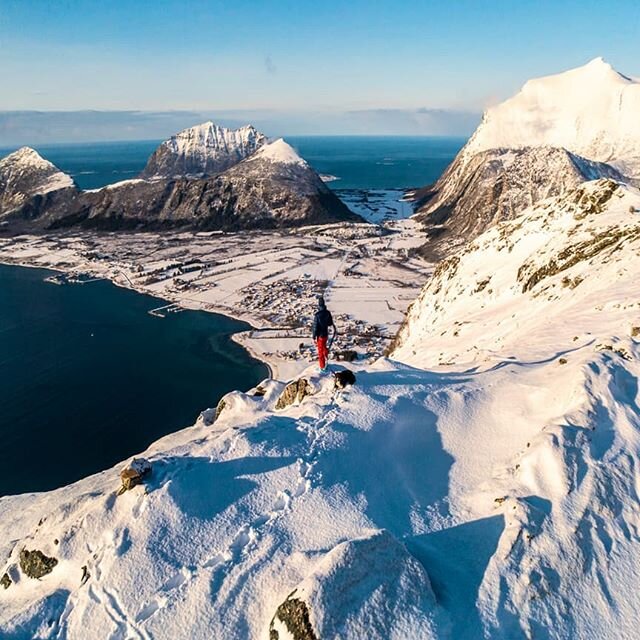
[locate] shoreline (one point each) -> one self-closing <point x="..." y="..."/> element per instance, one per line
<point x="254" y="353"/>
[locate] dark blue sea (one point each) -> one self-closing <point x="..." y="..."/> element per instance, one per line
<point x="376" y="162"/>
<point x="88" y="377"/>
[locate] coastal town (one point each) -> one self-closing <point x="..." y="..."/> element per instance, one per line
<point x="368" y="273"/>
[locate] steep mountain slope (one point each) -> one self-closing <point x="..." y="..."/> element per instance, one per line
<point x="493" y="496"/>
<point x="565" y="263"/>
<point x="273" y="188"/>
<point x="556" y="132"/>
<point x="496" y="185"/>
<point x="25" y="174"/>
<point x="204" y="150"/>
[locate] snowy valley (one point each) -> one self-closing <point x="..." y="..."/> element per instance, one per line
<point x="480" y="480"/>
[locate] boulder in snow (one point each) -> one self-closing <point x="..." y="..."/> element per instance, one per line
<point x="134" y="474"/>
<point x="344" y="378"/>
<point x="293" y="615"/>
<point x="5" y="581"/>
<point x="35" y="564"/>
<point x="369" y="587"/>
<point x="294" y="392"/>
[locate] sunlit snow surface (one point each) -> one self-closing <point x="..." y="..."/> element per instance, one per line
<point x="592" y="111"/>
<point x="494" y="494"/>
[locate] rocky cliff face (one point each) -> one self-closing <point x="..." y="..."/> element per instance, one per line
<point x="24" y="175"/>
<point x="203" y="150"/>
<point x="556" y="133"/>
<point x="496" y="185"/>
<point x="274" y="188"/>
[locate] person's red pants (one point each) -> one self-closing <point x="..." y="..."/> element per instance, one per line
<point x="323" y="352"/>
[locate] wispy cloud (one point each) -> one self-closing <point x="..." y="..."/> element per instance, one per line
<point x="270" y="65"/>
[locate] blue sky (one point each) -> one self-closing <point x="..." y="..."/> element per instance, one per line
<point x="326" y="64"/>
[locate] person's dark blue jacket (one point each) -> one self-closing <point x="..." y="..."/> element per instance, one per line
<point x="322" y="321"/>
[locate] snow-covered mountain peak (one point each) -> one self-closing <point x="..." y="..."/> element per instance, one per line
<point x="24" y="174"/>
<point x="279" y="151"/>
<point x="204" y="149"/>
<point x="591" y="110"/>
<point x="26" y="157"/>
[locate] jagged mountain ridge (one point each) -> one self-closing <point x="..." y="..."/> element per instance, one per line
<point x="272" y="188"/>
<point x="204" y="150"/>
<point x="588" y="115"/>
<point x="25" y="174"/>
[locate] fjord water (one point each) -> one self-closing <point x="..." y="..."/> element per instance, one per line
<point x="88" y="377"/>
<point x="360" y="162"/>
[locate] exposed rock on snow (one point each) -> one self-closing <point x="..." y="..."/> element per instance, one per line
<point x="344" y="378"/>
<point x="556" y="132"/>
<point x="204" y="150"/>
<point x="293" y="613"/>
<point x="134" y="474"/>
<point x="35" y="564"/>
<point x="496" y="185"/>
<point x="365" y="588"/>
<point x="24" y="174"/>
<point x="5" y="581"/>
<point x="294" y="392"/>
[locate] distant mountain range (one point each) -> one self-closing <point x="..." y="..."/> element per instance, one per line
<point x="205" y="177"/>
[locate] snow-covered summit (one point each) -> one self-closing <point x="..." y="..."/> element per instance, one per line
<point x="591" y="111"/>
<point x="204" y="149"/>
<point x="279" y="151"/>
<point x="24" y="174"/>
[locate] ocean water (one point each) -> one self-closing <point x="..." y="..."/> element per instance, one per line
<point x="376" y="162"/>
<point x="88" y="377"/>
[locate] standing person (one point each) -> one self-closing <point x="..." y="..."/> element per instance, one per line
<point x="321" y="323"/>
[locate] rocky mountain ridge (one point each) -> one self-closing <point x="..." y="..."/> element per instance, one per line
<point x="204" y="150"/>
<point x="24" y="174"/>
<point x="272" y="188"/>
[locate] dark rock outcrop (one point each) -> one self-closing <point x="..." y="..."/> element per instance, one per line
<point x="134" y="474"/>
<point x="344" y="378"/>
<point x="35" y="564"/>
<point x="294" y="614"/>
<point x="5" y="581"/>
<point x="295" y="391"/>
